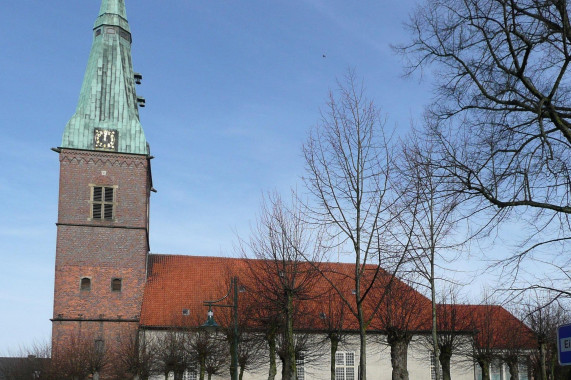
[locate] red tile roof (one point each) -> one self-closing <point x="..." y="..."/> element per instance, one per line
<point x="494" y="326"/>
<point x="176" y="283"/>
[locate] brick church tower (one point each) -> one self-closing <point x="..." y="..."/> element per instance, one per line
<point x="105" y="183"/>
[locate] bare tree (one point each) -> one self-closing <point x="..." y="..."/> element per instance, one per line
<point x="251" y="343"/>
<point x="332" y="315"/>
<point x="281" y="278"/>
<point x="348" y="171"/>
<point x="251" y="352"/>
<point x="502" y="112"/>
<point x="208" y="351"/>
<point x="172" y="353"/>
<point x="429" y="204"/>
<point x="79" y="356"/>
<point x="491" y="344"/>
<point x="29" y="363"/>
<point x="543" y="321"/>
<point x="518" y="343"/>
<point x="454" y="330"/>
<point x="483" y="350"/>
<point x="134" y="357"/>
<point x="404" y="311"/>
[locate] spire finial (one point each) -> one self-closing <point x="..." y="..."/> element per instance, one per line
<point x="108" y="102"/>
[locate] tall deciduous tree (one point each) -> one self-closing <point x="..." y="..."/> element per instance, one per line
<point x="348" y="170"/>
<point x="429" y="205"/>
<point x="281" y="278"/>
<point x="454" y="331"/>
<point x="502" y="111"/>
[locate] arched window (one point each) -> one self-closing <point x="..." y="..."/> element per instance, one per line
<point x="85" y="284"/>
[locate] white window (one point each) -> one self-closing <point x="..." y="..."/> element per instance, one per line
<point x="478" y="372"/>
<point x="523" y="371"/>
<point x="344" y="365"/>
<point x="433" y="363"/>
<point x="496" y="372"/>
<point x="300" y="364"/>
<point x="190" y="375"/>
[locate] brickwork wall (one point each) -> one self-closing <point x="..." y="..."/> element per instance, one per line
<point x="112" y="333"/>
<point x="79" y="169"/>
<point x="99" y="249"/>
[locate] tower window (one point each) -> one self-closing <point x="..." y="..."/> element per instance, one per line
<point x="103" y="202"/>
<point x="116" y="284"/>
<point x="85" y="284"/>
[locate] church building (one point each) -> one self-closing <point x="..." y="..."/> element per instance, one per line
<point x="107" y="284"/>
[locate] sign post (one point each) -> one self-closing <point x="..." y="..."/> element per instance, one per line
<point x="564" y="344"/>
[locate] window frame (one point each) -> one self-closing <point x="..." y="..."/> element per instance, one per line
<point x="103" y="202"/>
<point x="342" y="365"/>
<point x="433" y="363"/>
<point x="300" y="367"/>
<point x="120" y="284"/>
<point x="81" y="289"/>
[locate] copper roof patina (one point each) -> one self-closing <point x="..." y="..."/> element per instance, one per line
<point x="108" y="99"/>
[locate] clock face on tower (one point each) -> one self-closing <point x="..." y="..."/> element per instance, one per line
<point x="105" y="139"/>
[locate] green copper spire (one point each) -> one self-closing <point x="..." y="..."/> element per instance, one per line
<point x="112" y="13"/>
<point x="108" y="100"/>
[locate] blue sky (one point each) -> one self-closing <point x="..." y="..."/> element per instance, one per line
<point x="232" y="88"/>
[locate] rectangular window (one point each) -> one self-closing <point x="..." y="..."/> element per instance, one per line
<point x="190" y="375"/>
<point x="85" y="284"/>
<point x="103" y="202"/>
<point x="523" y="375"/>
<point x="300" y="364"/>
<point x="116" y="284"/>
<point x="344" y="365"/>
<point x="496" y="372"/>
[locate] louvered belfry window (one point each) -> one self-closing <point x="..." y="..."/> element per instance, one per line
<point x="103" y="203"/>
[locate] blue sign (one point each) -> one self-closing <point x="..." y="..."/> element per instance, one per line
<point x="564" y="344"/>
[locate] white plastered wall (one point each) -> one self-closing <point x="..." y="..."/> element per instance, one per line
<point x="378" y="361"/>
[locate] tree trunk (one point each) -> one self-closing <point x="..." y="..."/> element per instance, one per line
<point x="241" y="374"/>
<point x="514" y="368"/>
<point x="202" y="365"/>
<point x="271" y="338"/>
<point x="289" y="363"/>
<point x="444" y="358"/>
<point x="542" y="364"/>
<point x="399" y="353"/>
<point x="362" y="371"/>
<point x="433" y="299"/>
<point x="363" y="354"/>
<point x="485" y="367"/>
<point x="178" y="375"/>
<point x="334" y="346"/>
